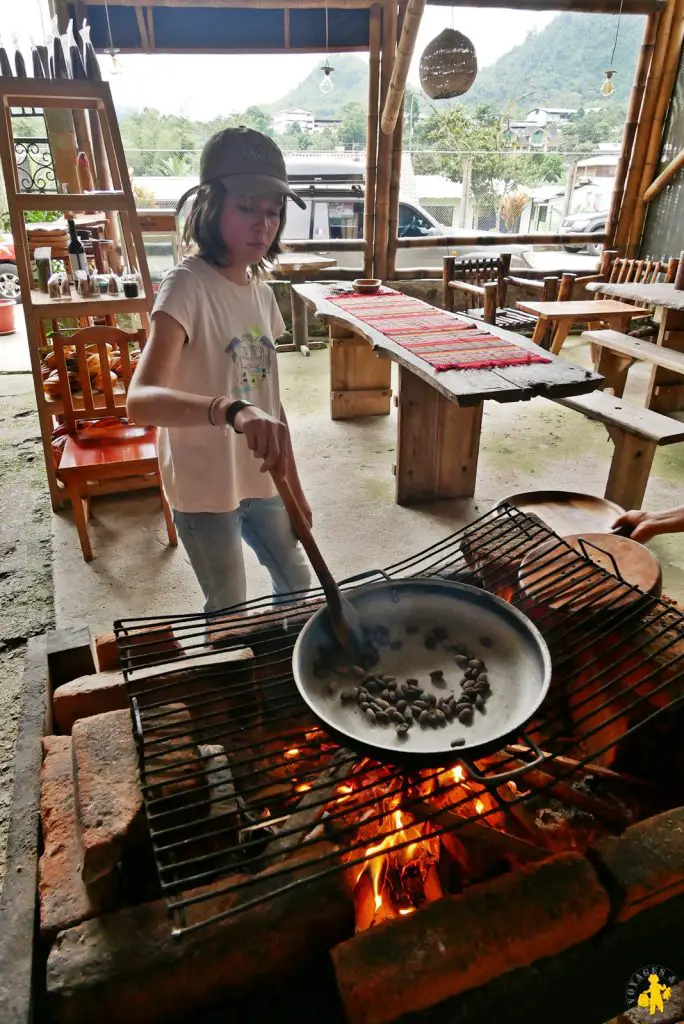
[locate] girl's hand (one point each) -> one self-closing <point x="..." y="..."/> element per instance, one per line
<point x="267" y="438"/>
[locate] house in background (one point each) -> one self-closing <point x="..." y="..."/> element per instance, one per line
<point x="324" y="124"/>
<point x="294" y="116"/>
<point x="543" y="116"/>
<point x="441" y="197"/>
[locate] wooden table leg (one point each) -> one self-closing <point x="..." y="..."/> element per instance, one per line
<point x="539" y="330"/>
<point x="300" y="316"/>
<point x="666" y="389"/>
<point x="360" y="380"/>
<point x="559" y="335"/>
<point x="438" y="443"/>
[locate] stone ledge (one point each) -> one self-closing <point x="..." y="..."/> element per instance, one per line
<point x="461" y="942"/>
<point x="645" y="863"/>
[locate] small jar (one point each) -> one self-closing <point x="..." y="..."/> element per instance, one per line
<point x="54" y="287"/>
<point x="82" y="282"/>
<point x="130" y="286"/>
<point x="94" y="285"/>
<point x="65" y="287"/>
<point x="113" y="285"/>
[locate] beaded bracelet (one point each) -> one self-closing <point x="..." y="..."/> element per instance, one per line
<point x="213" y="405"/>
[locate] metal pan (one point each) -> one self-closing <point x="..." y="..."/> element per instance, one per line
<point x="514" y="651"/>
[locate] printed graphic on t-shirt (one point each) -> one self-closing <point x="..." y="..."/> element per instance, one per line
<point x="253" y="357"/>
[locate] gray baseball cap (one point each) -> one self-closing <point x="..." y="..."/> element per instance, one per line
<point x="247" y="163"/>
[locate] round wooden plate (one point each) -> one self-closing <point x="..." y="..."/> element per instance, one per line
<point x="568" y="512"/>
<point x="554" y="576"/>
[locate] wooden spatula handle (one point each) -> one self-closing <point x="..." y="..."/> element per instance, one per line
<point x="304" y="534"/>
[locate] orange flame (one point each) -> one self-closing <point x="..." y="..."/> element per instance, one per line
<point x="292" y="752"/>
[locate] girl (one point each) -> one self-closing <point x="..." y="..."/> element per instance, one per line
<point x="208" y="376"/>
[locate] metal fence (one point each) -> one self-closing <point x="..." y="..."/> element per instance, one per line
<point x="508" y="190"/>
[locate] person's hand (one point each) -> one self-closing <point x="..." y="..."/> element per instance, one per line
<point x="644" y="525"/>
<point x="267" y="438"/>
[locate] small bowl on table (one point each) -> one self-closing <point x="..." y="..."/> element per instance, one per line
<point x="367" y="285"/>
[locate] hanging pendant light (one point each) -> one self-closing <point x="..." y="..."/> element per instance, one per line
<point x="607" y="87"/>
<point x="115" y="68"/>
<point x="326" y="85"/>
<point x="448" y="66"/>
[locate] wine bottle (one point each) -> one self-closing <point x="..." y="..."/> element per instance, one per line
<point x="77" y="256"/>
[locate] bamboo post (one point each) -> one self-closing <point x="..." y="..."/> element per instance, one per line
<point x="385" y="143"/>
<point x="636" y="162"/>
<point x="395" y="174"/>
<point x="641" y="78"/>
<point x="656" y="124"/>
<point x="412" y="13"/>
<point x="372" y="133"/>
<point x="665" y="177"/>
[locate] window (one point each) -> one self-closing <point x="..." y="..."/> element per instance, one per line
<point x="412" y="224"/>
<point x="338" y="218"/>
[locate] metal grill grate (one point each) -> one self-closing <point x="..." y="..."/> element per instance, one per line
<point x="237" y="775"/>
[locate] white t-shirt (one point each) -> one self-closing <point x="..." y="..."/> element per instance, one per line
<point x="230" y="351"/>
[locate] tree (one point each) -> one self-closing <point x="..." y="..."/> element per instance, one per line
<point x="352" y="131"/>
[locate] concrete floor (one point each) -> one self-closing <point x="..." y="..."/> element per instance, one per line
<point x="346" y="471"/>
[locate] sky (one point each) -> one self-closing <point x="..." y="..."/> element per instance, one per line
<point x="197" y="86"/>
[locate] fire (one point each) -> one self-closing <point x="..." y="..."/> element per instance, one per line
<point x="302" y="787"/>
<point x="479" y="806"/>
<point x="291" y="753"/>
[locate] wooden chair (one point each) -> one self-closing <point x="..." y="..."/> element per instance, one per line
<point x="94" y="454"/>
<point x="616" y="269"/>
<point x="484" y="281"/>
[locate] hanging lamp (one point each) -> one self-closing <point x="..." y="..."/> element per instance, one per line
<point x="326" y="84"/>
<point x="448" y="66"/>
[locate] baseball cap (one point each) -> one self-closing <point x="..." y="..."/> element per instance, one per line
<point x="246" y="162"/>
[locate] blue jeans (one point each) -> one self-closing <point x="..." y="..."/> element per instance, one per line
<point x="213" y="541"/>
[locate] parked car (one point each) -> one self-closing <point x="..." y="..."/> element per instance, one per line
<point x="584" y="222"/>
<point x="9" y="279"/>
<point x="333" y="194"/>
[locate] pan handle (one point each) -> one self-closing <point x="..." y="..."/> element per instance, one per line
<point x="489" y="780"/>
<point x="364" y="576"/>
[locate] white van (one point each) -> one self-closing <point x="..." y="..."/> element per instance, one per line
<point x="334" y="195"/>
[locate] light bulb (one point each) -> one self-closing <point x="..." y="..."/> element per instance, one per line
<point x="115" y="66"/>
<point x="607" y="87"/>
<point x="326" y="85"/>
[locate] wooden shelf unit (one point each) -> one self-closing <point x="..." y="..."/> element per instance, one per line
<point x="93" y="98"/>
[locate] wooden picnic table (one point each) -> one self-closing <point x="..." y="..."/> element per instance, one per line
<point x="666" y="388"/>
<point x="440" y="413"/>
<point x="560" y="316"/>
<point x="300" y="267"/>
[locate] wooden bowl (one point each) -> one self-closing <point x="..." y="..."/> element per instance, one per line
<point x="553" y="575"/>
<point x="567" y="512"/>
<point x="367" y="285"/>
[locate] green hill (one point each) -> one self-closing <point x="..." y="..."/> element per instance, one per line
<point x="351" y="86"/>
<point x="563" y="65"/>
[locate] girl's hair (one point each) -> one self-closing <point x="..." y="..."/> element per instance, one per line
<point x="203" y="229"/>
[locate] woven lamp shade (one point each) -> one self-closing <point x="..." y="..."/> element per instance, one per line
<point x="448" y="66"/>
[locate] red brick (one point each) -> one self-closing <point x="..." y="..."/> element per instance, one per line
<point x="65" y="900"/>
<point x="86" y="696"/>
<point x="107" y="651"/>
<point x="646" y="861"/>
<point x="133" y="970"/>
<point x="109" y="803"/>
<point x="461" y="942"/>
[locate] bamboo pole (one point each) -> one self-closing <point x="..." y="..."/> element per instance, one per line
<point x="656" y="125"/>
<point x="579" y="6"/>
<point x="496" y="238"/>
<point x="395" y="174"/>
<point x="374" y="39"/>
<point x="636" y="163"/>
<point x="412" y="13"/>
<point x="385" y="143"/>
<point x="665" y="177"/>
<point x="631" y="124"/>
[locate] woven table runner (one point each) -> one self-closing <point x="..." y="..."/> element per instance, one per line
<point x="443" y="341"/>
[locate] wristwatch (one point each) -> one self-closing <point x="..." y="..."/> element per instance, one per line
<point x="233" y="409"/>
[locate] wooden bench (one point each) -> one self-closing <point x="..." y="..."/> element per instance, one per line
<point x="614" y="353"/>
<point x="636" y="433"/>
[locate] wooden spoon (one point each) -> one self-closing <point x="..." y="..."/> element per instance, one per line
<point x="344" y="620"/>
